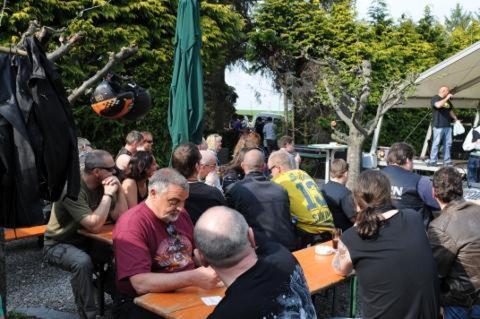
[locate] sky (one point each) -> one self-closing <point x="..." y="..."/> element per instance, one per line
<point x="255" y="92"/>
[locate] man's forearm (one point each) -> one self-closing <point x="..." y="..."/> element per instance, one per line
<point x="162" y="282"/>
<point x="94" y="222"/>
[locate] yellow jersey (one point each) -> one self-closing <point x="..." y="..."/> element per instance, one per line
<point x="306" y="201"/>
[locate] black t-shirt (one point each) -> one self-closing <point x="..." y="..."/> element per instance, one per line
<point x="396" y="273"/>
<point x="441" y="116"/>
<point x="274" y="287"/>
<point x="340" y="202"/>
<point x="200" y="198"/>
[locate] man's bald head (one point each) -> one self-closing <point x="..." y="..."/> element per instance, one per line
<point x="443" y="91"/>
<point x="253" y="161"/>
<point x="221" y="236"/>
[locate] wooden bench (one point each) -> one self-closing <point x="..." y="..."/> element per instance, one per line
<point x="10" y="234"/>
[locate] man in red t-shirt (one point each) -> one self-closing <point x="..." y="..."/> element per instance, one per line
<point x="153" y="245"/>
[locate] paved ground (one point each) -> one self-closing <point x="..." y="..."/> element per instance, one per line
<point x="40" y="291"/>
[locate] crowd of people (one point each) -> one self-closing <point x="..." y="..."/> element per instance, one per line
<point x="195" y="225"/>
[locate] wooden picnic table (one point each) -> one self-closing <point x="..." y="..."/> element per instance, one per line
<point x="187" y="303"/>
<point x="105" y="234"/>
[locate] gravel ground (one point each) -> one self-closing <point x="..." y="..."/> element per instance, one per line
<point x="32" y="284"/>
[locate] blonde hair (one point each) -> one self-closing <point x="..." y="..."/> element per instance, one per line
<point x="212" y="139"/>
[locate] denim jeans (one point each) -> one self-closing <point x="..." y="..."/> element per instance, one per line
<point x="454" y="312"/>
<point x="441" y="134"/>
<point x="473" y="169"/>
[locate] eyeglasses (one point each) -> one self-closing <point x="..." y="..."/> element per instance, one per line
<point x="271" y="168"/>
<point x="110" y="169"/>
<point x="149" y="141"/>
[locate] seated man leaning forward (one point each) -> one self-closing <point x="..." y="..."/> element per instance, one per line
<point x="100" y="195"/>
<point x="307" y="205"/>
<point x="153" y="244"/>
<point x="263" y="283"/>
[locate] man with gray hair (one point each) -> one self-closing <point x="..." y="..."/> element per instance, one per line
<point x="264" y="204"/>
<point x="208" y="169"/>
<point x="100" y="196"/>
<point x="263" y="283"/>
<point x="153" y="245"/>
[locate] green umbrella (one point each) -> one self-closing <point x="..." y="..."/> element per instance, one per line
<point x="185" y="110"/>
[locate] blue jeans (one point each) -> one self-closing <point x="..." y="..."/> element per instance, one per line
<point x="441" y="134"/>
<point x="454" y="312"/>
<point x="473" y="169"/>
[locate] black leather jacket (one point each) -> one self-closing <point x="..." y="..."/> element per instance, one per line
<point x="38" y="144"/>
<point x="455" y="240"/>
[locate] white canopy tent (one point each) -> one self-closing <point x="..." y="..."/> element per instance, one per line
<point x="460" y="72"/>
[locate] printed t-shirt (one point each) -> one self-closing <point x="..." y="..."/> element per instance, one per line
<point x="142" y="244"/>
<point x="306" y="201"/>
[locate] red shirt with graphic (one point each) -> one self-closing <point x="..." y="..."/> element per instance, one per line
<point x="142" y="244"/>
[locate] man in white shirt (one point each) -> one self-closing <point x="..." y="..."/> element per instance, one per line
<point x="472" y="145"/>
<point x="269" y="135"/>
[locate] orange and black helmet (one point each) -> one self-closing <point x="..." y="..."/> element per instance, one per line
<point x="110" y="103"/>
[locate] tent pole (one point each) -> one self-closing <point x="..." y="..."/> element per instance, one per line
<point x="425" y="142"/>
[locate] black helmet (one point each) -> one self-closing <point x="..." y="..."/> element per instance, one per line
<point x="109" y="102"/>
<point x="142" y="102"/>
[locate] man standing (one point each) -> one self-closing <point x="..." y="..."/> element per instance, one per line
<point x="264" y="283"/>
<point x="132" y="142"/>
<point x="472" y="145"/>
<point x="147" y="142"/>
<point x="455" y="242"/>
<point x="409" y="190"/>
<point x="339" y="198"/>
<point x="153" y="245"/>
<point x="442" y="113"/>
<point x="264" y="204"/>
<point x="100" y="195"/>
<point x="186" y="160"/>
<point x="313" y="218"/>
<point x="269" y="135"/>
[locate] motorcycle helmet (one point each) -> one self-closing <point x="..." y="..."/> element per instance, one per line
<point x="108" y="100"/>
<point x="142" y="102"/>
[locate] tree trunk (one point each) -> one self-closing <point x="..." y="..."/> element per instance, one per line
<point x="219" y="100"/>
<point x="285" y="110"/>
<point x="354" y="156"/>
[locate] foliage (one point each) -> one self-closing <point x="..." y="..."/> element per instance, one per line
<point x="110" y="25"/>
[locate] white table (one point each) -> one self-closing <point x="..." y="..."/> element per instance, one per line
<point x="329" y="150"/>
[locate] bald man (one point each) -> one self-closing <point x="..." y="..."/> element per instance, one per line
<point x="442" y="114"/>
<point x="265" y="205"/>
<point x="263" y="283"/>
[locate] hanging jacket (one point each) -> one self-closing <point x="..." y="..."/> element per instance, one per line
<point x="40" y="145"/>
<point x="19" y="195"/>
<point x="43" y="100"/>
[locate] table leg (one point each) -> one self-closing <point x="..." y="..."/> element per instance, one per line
<point x="353" y="296"/>
<point x="327" y="166"/>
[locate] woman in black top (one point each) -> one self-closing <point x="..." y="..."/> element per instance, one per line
<point x="141" y="167"/>
<point x="390" y="253"/>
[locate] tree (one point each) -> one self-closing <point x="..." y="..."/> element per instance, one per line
<point x="458" y="18"/>
<point x="108" y="26"/>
